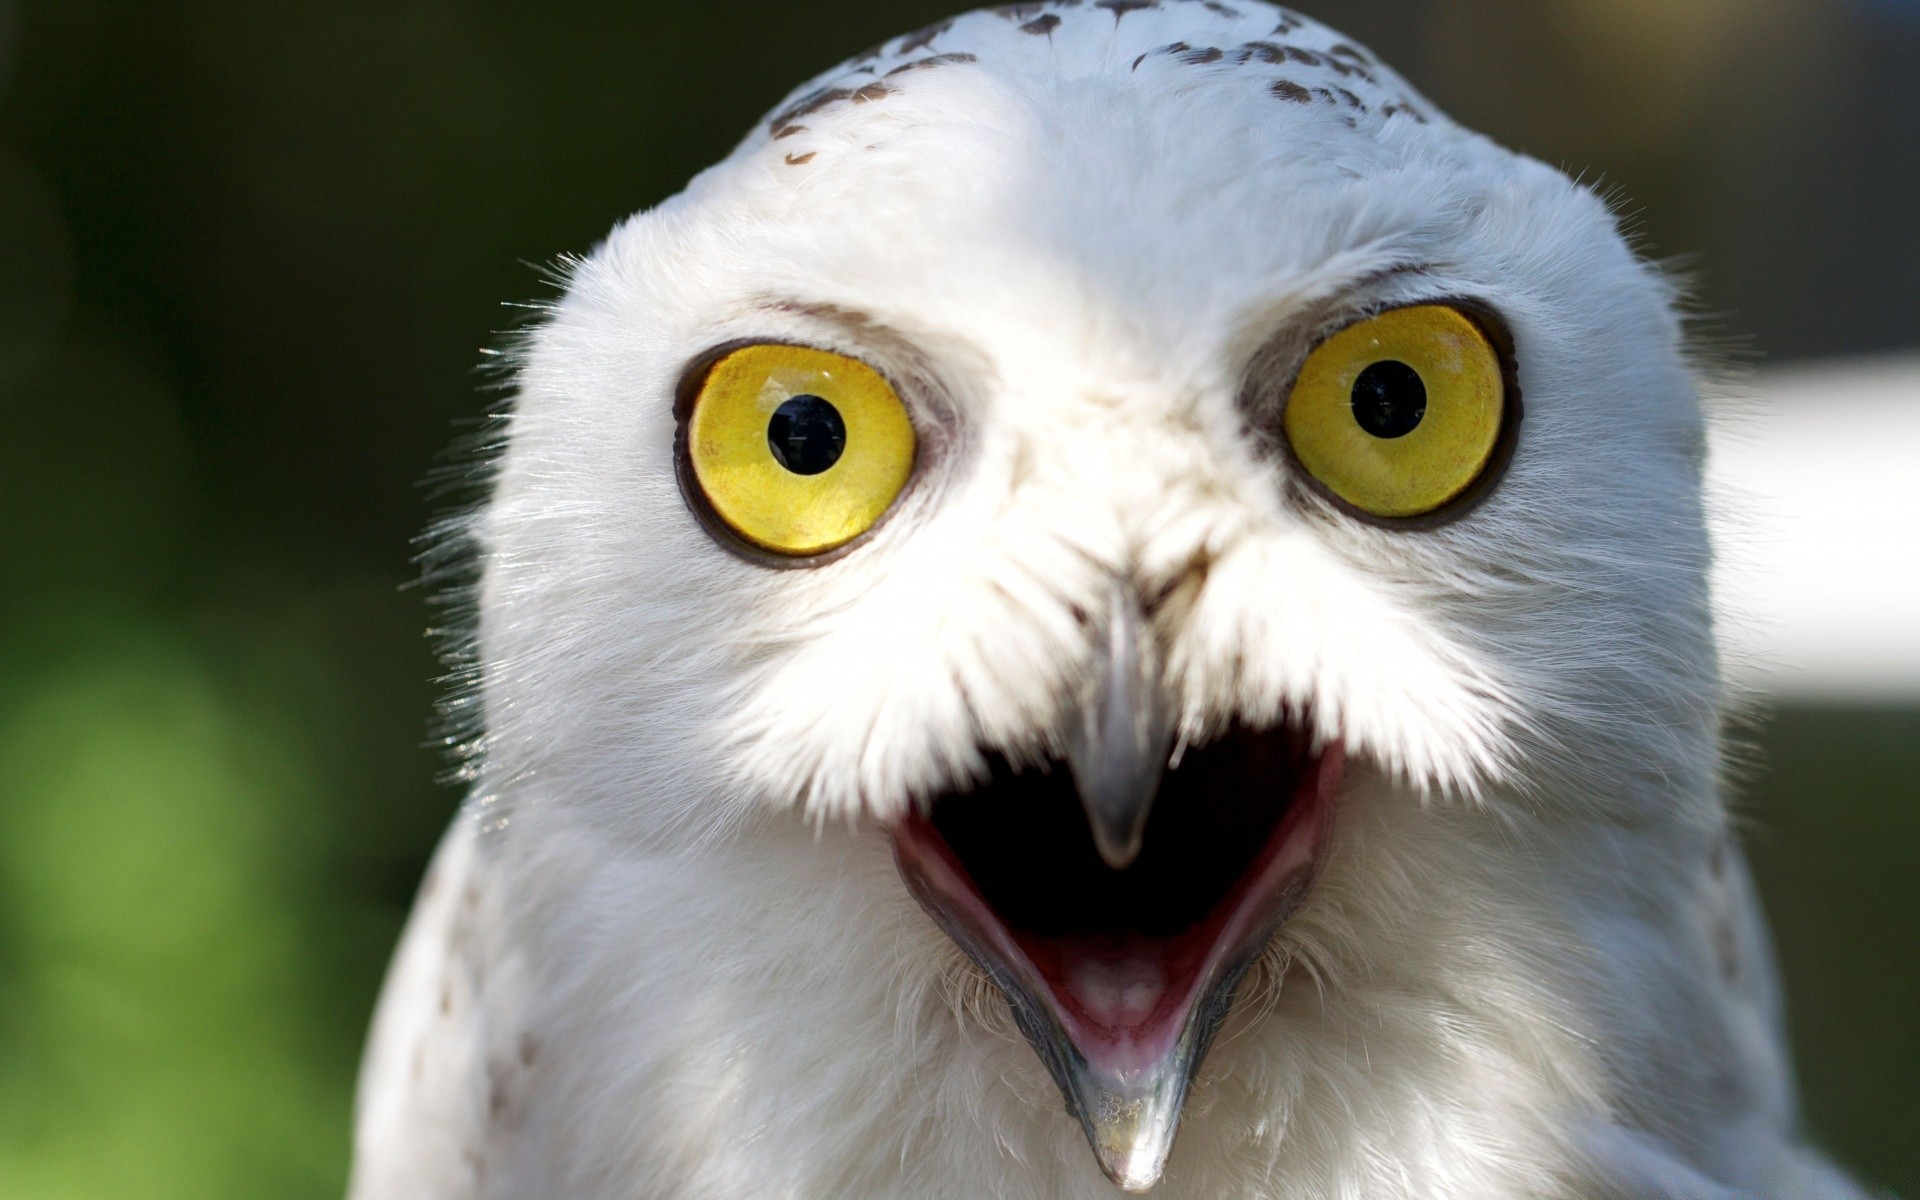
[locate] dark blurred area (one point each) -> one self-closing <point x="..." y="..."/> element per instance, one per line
<point x="249" y="257"/>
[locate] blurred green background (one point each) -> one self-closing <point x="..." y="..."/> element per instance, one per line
<point x="249" y="254"/>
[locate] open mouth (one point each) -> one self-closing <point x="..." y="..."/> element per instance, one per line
<point x="1120" y="976"/>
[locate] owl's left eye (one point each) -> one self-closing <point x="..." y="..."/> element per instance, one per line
<point x="1405" y="415"/>
<point x="796" y="450"/>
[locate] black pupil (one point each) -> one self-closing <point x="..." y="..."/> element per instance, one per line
<point x="807" y="435"/>
<point x="1389" y="399"/>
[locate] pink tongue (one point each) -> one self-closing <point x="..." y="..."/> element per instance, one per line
<point x="1120" y="992"/>
<point x="1123" y="1002"/>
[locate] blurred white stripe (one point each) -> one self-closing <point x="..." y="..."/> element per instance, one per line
<point x="1814" y="480"/>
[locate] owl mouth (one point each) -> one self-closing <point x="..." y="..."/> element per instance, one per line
<point x="1120" y="977"/>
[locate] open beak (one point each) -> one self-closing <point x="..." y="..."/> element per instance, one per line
<point x="1117" y="903"/>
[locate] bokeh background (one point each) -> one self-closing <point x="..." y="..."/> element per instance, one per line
<point x="249" y="256"/>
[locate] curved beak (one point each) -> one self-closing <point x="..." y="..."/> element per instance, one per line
<point x="1129" y="1115"/>
<point x="1117" y="748"/>
<point x="1119" y="954"/>
<point x="1117" y="744"/>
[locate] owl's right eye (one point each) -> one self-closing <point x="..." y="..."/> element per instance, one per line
<point x="796" y="450"/>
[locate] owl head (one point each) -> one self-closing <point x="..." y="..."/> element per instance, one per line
<point x="1118" y="516"/>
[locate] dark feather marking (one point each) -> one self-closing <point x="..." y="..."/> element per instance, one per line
<point x="1271" y="52"/>
<point x="1290" y="91"/>
<point x="1202" y="56"/>
<point x="1344" y="68"/>
<point x="937" y="60"/>
<point x="794" y="160"/>
<point x="788" y="131"/>
<point x="1169" y="48"/>
<point x="1727" y="943"/>
<point x="1120" y="8"/>
<point x="922" y="39"/>
<point x="1042" y="25"/>
<point x="496" y="1094"/>
<point x="811" y="102"/>
<point x="814" y="101"/>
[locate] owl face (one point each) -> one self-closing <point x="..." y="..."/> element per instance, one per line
<point x="1085" y="447"/>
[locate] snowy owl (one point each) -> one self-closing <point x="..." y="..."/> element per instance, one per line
<point x="1112" y="601"/>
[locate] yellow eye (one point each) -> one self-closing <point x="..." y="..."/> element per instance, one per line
<point x="1400" y="414"/>
<point x="797" y="450"/>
